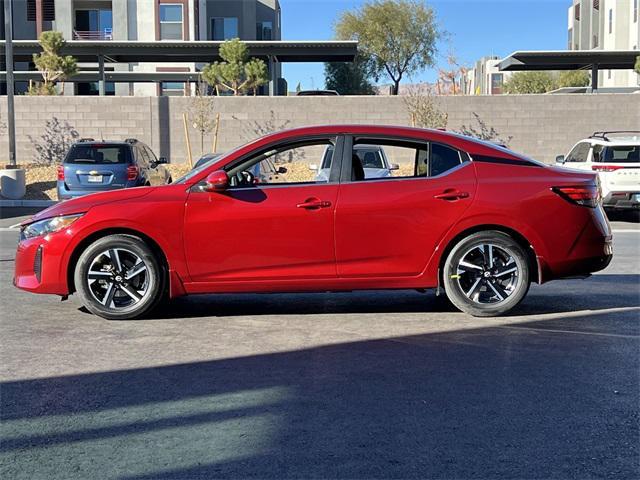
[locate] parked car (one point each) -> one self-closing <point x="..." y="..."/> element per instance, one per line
<point x="261" y="172"/>
<point x="615" y="156"/>
<point x="372" y="157"/>
<point x="92" y="166"/>
<point x="314" y="93"/>
<point x="206" y="158"/>
<point x="477" y="220"/>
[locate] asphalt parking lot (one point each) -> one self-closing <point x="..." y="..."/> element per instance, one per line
<point x="359" y="385"/>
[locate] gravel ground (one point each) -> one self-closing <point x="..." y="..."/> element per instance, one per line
<point x="41" y="180"/>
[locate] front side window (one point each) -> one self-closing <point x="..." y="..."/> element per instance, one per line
<point x="290" y="164"/>
<point x="171" y="21"/>
<point x="579" y="153"/>
<point x="224" y="28"/>
<point x="98" y="154"/>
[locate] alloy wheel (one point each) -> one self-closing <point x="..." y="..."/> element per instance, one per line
<point x="118" y="278"/>
<point x="487" y="274"/>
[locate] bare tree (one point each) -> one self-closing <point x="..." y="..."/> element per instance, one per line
<point x="52" y="146"/>
<point x="484" y="132"/>
<point x="201" y="112"/>
<point x="423" y="108"/>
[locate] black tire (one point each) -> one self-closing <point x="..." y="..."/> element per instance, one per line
<point x="99" y="262"/>
<point x="486" y="284"/>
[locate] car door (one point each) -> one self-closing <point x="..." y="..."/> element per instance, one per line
<point x="389" y="227"/>
<point x="265" y="232"/>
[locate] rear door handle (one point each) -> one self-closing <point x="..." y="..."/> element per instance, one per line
<point x="314" y="204"/>
<point x="451" y="194"/>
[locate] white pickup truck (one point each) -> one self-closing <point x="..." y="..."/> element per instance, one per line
<point x="615" y="156"/>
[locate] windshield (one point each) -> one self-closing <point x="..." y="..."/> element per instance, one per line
<point x="99" y="154"/>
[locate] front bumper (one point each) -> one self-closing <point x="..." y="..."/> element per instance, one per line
<point x="37" y="266"/>
<point x="622" y="201"/>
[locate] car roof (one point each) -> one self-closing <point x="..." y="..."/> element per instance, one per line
<point x="613" y="142"/>
<point x="472" y="146"/>
<point x="104" y="142"/>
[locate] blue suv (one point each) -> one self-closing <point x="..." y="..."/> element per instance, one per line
<point x="95" y="166"/>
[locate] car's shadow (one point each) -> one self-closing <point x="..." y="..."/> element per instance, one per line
<point x="595" y="293"/>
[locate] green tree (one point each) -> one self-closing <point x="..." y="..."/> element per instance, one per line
<point x="398" y="35"/>
<point x="637" y="69"/>
<point x="350" y="78"/>
<point x="574" y="78"/>
<point x="237" y="73"/>
<point x="530" y="82"/>
<point x="53" y="67"/>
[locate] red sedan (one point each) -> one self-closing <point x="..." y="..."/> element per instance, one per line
<point x="465" y="216"/>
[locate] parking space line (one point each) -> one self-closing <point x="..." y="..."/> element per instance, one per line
<point x="553" y="330"/>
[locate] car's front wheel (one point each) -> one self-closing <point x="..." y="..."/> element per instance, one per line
<point x="486" y="274"/>
<point x="118" y="277"/>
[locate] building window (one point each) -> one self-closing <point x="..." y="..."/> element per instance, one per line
<point x="92" y="88"/>
<point x="497" y="80"/>
<point x="224" y="28"/>
<point x="635" y="11"/>
<point x="610" y="21"/>
<point x="576" y="11"/>
<point x="596" y="4"/>
<point x="93" y="25"/>
<point x="595" y="41"/>
<point x="172" y="89"/>
<point x="171" y="23"/>
<point x="48" y="10"/>
<point x="609" y="74"/>
<point x="264" y="31"/>
<point x="570" y="39"/>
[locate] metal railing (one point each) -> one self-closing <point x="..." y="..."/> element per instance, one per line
<point x="106" y="34"/>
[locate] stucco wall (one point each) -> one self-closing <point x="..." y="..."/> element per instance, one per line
<point x="541" y="126"/>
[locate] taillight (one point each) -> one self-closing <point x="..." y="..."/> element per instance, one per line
<point x="60" y="172"/>
<point x="132" y="172"/>
<point x="606" y="168"/>
<point x="584" y="195"/>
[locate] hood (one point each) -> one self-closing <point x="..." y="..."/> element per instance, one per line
<point x="84" y="203"/>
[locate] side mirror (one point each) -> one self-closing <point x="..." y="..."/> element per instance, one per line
<point x="162" y="160"/>
<point x="394" y="166"/>
<point x="217" y="181"/>
<point x="560" y="159"/>
<point x="281" y="170"/>
<point x="313" y="167"/>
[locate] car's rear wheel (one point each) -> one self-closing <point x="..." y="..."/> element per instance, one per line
<point x="486" y="274"/>
<point x="118" y="277"/>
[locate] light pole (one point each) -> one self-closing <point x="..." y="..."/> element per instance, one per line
<point x="11" y="124"/>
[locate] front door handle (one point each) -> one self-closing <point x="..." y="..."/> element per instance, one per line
<point x="451" y="194"/>
<point x="314" y="204"/>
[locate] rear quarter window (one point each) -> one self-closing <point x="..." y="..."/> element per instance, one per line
<point x="98" y="154"/>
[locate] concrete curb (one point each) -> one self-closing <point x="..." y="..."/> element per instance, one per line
<point x="26" y="203"/>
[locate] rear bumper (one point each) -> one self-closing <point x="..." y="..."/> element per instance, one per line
<point x="622" y="201"/>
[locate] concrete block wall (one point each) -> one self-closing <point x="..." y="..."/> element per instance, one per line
<point x="541" y="126"/>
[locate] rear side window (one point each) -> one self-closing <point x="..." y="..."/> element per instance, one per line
<point x="621" y="154"/>
<point x="98" y="154"/>
<point x="406" y="159"/>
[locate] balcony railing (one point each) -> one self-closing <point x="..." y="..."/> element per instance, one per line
<point x="106" y="34"/>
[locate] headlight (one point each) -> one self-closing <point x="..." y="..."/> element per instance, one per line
<point x="49" y="225"/>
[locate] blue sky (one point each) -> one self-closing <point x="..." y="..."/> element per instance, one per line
<point x="476" y="28"/>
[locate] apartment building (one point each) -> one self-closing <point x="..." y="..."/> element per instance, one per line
<point x="485" y="78"/>
<point x="146" y="20"/>
<point x="606" y="25"/>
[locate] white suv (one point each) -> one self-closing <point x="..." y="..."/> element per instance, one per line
<point x="616" y="158"/>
